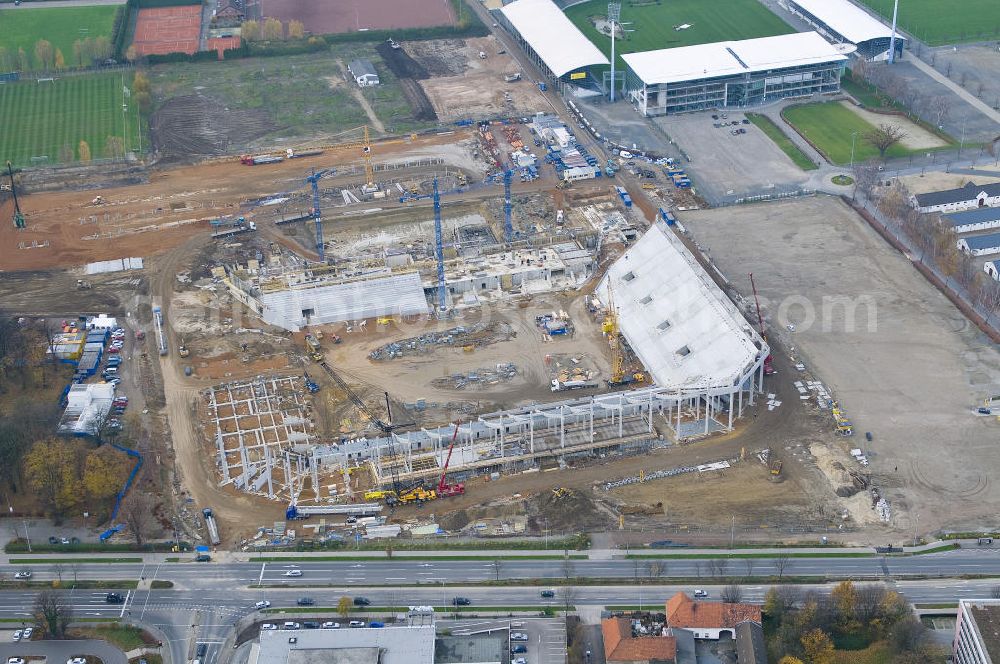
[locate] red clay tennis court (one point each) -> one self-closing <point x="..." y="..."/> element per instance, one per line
<point x="326" y="16"/>
<point x="168" y="30"/>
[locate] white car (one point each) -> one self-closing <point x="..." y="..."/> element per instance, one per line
<point x="15" y="660"/>
<point x="266" y="626"/>
<point x="357" y="623"/>
<point x="26" y="634"/>
<point x="518" y="636"/>
<point x="16" y="636"/>
<point x="263" y="604"/>
<point x="700" y="593"/>
<point x="25" y="574"/>
<point x="76" y="660"/>
<point x="293" y="572"/>
<point x="330" y="625"/>
<point x="520" y="660"/>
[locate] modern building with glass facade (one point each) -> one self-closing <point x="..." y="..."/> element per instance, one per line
<point x="733" y="74"/>
<point x="843" y="22"/>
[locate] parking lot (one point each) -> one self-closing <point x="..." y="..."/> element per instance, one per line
<point x="546" y="642"/>
<point x="728" y="166"/>
<point x="57" y="652"/>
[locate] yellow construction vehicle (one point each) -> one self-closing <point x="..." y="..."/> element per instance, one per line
<point x="385" y="320"/>
<point x="380" y="494"/>
<point x="314" y="348"/>
<point x="417" y="495"/>
<point x="183" y="351"/>
<point x="609" y="326"/>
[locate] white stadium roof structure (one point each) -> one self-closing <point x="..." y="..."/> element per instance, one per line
<point x="681" y="326"/>
<point x="559" y="43"/>
<point x="730" y="58"/>
<point x="850" y="21"/>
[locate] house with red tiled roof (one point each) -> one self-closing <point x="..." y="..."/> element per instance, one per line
<point x="622" y="647"/>
<point x="708" y="620"/>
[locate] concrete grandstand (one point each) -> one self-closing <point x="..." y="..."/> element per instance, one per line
<point x="736" y="74"/>
<point x="843" y="22"/>
<point x="553" y="43"/>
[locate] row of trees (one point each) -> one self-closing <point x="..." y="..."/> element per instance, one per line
<point x="271" y="30"/>
<point x="936" y="241"/>
<point x="808" y="624"/>
<point x="47" y="58"/>
<point x="890" y="85"/>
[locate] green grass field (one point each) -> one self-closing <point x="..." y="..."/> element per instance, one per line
<point x="22" y="27"/>
<point x="654" y="23"/>
<point x="41" y="118"/>
<point x="800" y="158"/>
<point x="936" y="22"/>
<point x="829" y="125"/>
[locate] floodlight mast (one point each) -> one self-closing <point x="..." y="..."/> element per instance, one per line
<point x="614" y="15"/>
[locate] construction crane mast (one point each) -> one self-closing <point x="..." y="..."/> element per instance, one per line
<point x="439" y="251"/>
<point x="317" y="216"/>
<point x="366" y="146"/>
<point x="610" y="327"/>
<point x="508" y="226"/>
<point x="445" y="490"/>
<point x="18" y="215"/>
<point x="768" y="367"/>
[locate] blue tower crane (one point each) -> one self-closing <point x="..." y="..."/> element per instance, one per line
<point x="508" y="226"/>
<point x="317" y="217"/>
<point x="439" y="251"/>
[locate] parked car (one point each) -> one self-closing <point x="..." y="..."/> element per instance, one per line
<point x="15" y="660"/>
<point x="263" y="604"/>
<point x="309" y="624"/>
<point x="520" y="660"/>
<point x="16" y="636"/>
<point x="362" y="601"/>
<point x="357" y="623"/>
<point x="330" y="625"/>
<point x="268" y="626"/>
<point x="376" y="624"/>
<point x="290" y="625"/>
<point x="76" y="660"/>
<point x="293" y="572"/>
<point x="26" y="634"/>
<point x="518" y="649"/>
<point x="201" y="650"/>
<point x="518" y="636"/>
<point x="305" y="601"/>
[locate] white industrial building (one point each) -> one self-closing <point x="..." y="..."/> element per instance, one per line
<point x="394" y="644"/>
<point x="293" y="306"/>
<point x="980" y="245"/>
<point x="972" y="221"/>
<point x="964" y="198"/>
<point x="682" y="327"/>
<point x="843" y="22"/>
<point x="992" y="268"/>
<point x="87" y="405"/>
<point x="732" y="74"/>
<point x="364" y="72"/>
<point x="551" y="40"/>
<point x="975" y="640"/>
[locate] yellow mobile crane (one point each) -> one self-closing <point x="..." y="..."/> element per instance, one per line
<point x="619" y="376"/>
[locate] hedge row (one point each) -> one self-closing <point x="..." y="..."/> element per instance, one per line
<point x="119" y="33"/>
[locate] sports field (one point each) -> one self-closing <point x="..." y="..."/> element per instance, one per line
<point x="21" y="27"/>
<point x="654" y="23"/>
<point x="41" y="118"/>
<point x="829" y="126"/>
<point x="936" y="22"/>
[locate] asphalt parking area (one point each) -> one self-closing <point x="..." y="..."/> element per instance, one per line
<point x="546" y="642"/>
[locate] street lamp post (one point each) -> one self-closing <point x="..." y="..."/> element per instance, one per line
<point x="854" y="136"/>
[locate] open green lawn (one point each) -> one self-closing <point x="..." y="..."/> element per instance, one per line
<point x="654" y="23"/>
<point x="829" y="125"/>
<point x="23" y="26"/>
<point x="936" y="22"/>
<point x="41" y="118"/>
<point x="774" y="132"/>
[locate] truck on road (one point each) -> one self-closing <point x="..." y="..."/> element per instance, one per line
<point x="213" y="528"/>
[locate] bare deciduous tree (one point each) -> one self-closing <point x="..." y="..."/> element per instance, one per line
<point x="781" y="563"/>
<point x="51" y="614"/>
<point x="884" y="137"/>
<point x="137" y="512"/>
<point x="748" y="564"/>
<point x="732" y="594"/>
<point x="567" y="594"/>
<point x="57" y="570"/>
<point x="497" y="565"/>
<point x="656" y="568"/>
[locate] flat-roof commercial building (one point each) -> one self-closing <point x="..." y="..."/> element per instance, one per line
<point x="977" y="632"/>
<point x="843" y="22"/>
<point x="403" y="644"/>
<point x="733" y="74"/>
<point x="553" y="43"/>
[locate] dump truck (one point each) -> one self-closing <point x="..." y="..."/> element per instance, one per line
<point x="213" y="528"/>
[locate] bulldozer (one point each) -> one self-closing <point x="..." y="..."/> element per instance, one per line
<point x="561" y="492"/>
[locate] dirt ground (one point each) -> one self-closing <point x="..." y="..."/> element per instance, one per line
<point x="937" y="181"/>
<point x="916" y="136"/>
<point x="901" y="361"/>
<point x="351" y="15"/>
<point x="65" y="228"/>
<point x="475" y="89"/>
